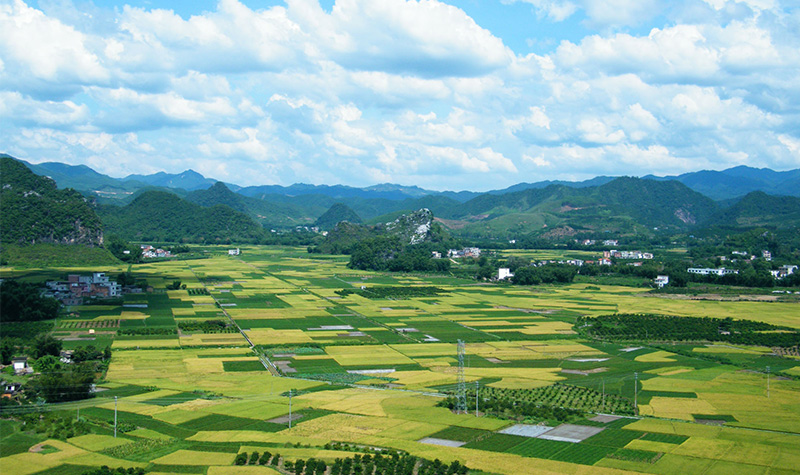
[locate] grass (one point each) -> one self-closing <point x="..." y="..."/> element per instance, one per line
<point x="217" y="422"/>
<point x="461" y="434"/>
<point x="233" y="366"/>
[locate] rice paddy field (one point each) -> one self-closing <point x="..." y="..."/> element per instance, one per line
<point x="307" y="370"/>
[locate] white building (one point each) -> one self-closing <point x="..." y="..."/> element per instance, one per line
<point x="234" y="252"/>
<point x="21" y="365"/>
<point x="661" y="280"/>
<point x="709" y="271"/>
<point x="504" y="273"/>
<point x="783" y="271"/>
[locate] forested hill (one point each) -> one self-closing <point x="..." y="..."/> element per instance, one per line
<point x="336" y="214"/>
<point x="761" y="209"/>
<point x="162" y="216"/>
<point x="218" y="194"/>
<point x="33" y="210"/>
<point x="413" y="228"/>
<point x="622" y="205"/>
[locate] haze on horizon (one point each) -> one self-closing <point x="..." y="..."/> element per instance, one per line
<point x="471" y="94"/>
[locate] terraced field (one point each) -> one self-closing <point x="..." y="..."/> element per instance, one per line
<point x="366" y="373"/>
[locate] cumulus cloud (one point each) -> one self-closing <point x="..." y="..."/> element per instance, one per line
<point x="410" y="91"/>
<point x="427" y="38"/>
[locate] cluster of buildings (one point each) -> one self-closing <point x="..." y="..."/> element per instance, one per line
<point x="151" y="252"/>
<point x="783" y="271"/>
<point x="592" y="242"/>
<point x="77" y="287"/>
<point x="627" y="254"/>
<point x="466" y="252"/>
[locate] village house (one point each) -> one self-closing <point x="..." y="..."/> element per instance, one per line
<point x="9" y="389"/>
<point x="20" y="365"/>
<point x="234" y="252"/>
<point x="77" y="287"/>
<point x="710" y="271"/>
<point x="661" y="281"/>
<point x="466" y="252"/>
<point x="504" y="273"/>
<point x="783" y="271"/>
<point x="151" y="252"/>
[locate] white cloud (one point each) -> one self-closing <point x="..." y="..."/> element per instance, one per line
<point x="593" y="130"/>
<point x="616" y="13"/>
<point x="427" y="38"/>
<point x="34" y="46"/>
<point x="402" y="90"/>
<point x="555" y="10"/>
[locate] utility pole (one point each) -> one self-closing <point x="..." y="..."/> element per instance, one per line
<point x="78" y="416"/>
<point x="767" y="382"/>
<point x="115" y="417"/>
<point x="461" y="385"/>
<point x="635" y="392"/>
<point x="477" y="384"/>
<point x="604" y="395"/>
<point x="290" y="409"/>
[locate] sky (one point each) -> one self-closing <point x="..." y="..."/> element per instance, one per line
<point x="445" y="95"/>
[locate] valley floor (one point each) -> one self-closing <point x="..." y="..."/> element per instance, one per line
<point x="369" y="373"/>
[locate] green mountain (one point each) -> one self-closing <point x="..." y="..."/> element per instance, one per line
<point x="738" y="181"/>
<point x="336" y="214"/>
<point x="188" y="180"/>
<point x="413" y="228"/>
<point x="33" y="210"/>
<point x="622" y="206"/>
<point x="761" y="209"/>
<point x="162" y="216"/>
<point x="268" y="213"/>
<point x="218" y="194"/>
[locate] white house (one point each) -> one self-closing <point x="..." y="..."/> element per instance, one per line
<point x="20" y="364"/>
<point x="234" y="252"/>
<point x="661" y="280"/>
<point x="707" y="270"/>
<point x="504" y="273"/>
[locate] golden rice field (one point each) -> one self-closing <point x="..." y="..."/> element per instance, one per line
<point x="371" y="372"/>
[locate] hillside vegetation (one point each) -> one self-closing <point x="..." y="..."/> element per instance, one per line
<point x="161" y="216"/>
<point x="33" y="210"/>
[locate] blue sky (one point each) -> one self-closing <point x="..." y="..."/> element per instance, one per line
<point x="470" y="94"/>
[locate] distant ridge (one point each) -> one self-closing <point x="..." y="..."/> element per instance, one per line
<point x="721" y="185"/>
<point x="738" y="181"/>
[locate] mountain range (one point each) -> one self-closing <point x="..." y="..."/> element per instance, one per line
<point x="727" y="184"/>
<point x="746" y="197"/>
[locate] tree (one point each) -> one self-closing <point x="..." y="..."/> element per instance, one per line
<point x="46" y="344"/>
<point x="47" y="364"/>
<point x="6" y="351"/>
<point x="22" y="302"/>
<point x="122" y="249"/>
<point x="70" y="384"/>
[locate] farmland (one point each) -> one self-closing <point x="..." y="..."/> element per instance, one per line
<point x="367" y="359"/>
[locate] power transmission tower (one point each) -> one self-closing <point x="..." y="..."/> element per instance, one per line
<point x="461" y="389"/>
<point x="477" y="389"/>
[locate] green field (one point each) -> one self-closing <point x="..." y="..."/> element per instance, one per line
<point x="369" y="370"/>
